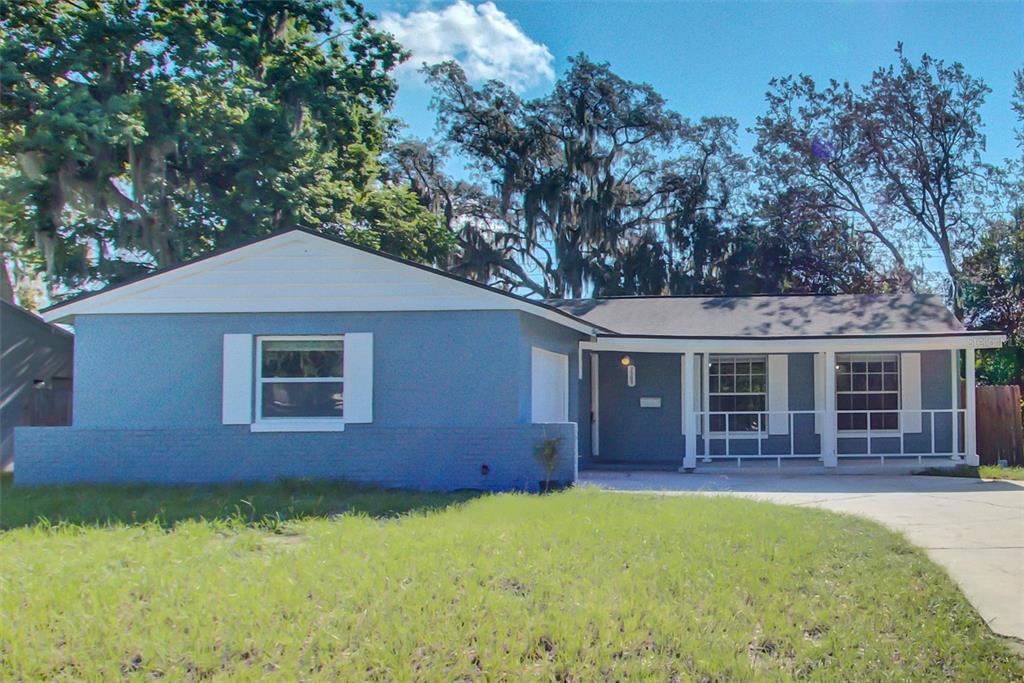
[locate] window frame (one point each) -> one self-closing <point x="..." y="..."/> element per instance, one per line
<point x="294" y="424"/>
<point x="762" y="429"/>
<point x="867" y="357"/>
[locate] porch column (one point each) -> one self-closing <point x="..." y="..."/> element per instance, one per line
<point x="828" y="422"/>
<point x="689" y="410"/>
<point x="970" y="422"/>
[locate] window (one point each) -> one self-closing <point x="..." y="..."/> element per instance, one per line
<point x="738" y="384"/>
<point x="868" y="389"/>
<point x="300" y="378"/>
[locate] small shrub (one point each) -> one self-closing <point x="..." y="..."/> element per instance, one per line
<point x="547" y="455"/>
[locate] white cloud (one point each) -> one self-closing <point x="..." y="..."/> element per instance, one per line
<point x="481" y="38"/>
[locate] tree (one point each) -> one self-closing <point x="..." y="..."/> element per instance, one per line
<point x="900" y="159"/>
<point x="599" y="188"/>
<point x="145" y="133"/>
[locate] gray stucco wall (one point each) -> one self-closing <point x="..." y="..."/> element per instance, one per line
<point x="451" y="392"/>
<point x="31" y="349"/>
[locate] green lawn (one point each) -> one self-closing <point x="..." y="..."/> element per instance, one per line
<point x="983" y="472"/>
<point x="576" y="586"/>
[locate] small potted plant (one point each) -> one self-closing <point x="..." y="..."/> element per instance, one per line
<point x="547" y="455"/>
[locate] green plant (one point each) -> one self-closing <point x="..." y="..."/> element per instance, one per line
<point x="547" y="455"/>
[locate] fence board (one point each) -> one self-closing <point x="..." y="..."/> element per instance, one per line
<point x="1000" y="434"/>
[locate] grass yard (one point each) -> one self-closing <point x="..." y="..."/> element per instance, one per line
<point x="576" y="586"/>
<point x="983" y="472"/>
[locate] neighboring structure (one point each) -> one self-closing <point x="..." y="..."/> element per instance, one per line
<point x="35" y="375"/>
<point x="306" y="356"/>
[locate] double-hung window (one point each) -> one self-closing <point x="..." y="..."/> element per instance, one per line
<point x="868" y="391"/>
<point x="737" y="385"/>
<point x="300" y="378"/>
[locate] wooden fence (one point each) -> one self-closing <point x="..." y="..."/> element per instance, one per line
<point x="1000" y="435"/>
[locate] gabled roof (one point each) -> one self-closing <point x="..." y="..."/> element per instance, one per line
<point x="302" y="271"/>
<point x="770" y="316"/>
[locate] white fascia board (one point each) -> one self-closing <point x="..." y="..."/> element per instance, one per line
<point x="808" y="345"/>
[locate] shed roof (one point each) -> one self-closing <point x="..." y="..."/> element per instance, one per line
<point x="775" y="316"/>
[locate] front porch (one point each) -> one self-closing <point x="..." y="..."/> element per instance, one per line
<point x="866" y="406"/>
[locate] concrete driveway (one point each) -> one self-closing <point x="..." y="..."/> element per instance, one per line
<point x="973" y="528"/>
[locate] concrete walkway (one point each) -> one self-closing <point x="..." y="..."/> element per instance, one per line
<point x="973" y="528"/>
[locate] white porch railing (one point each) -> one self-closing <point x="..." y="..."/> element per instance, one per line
<point x="812" y="427"/>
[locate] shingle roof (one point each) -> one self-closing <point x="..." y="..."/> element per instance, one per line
<point x="768" y="316"/>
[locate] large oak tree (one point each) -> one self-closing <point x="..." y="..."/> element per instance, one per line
<point x="139" y="133"/>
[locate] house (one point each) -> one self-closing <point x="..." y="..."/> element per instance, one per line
<point x="35" y="375"/>
<point x="300" y="355"/>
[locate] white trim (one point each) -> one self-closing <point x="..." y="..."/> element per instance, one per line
<point x="819" y="390"/>
<point x="595" y="404"/>
<point x="540" y="360"/>
<point x="828" y="433"/>
<point x="910" y="393"/>
<point x="300" y="272"/>
<point x="777" y="399"/>
<point x="971" y="421"/>
<point x="285" y="424"/>
<point x="295" y="424"/>
<point x="954" y="399"/>
<point x="769" y="345"/>
<point x="237" y="380"/>
<point x="689" y="414"/>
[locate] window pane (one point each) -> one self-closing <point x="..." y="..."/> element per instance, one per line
<point x="889" y="366"/>
<point x="743" y="383"/>
<point x="890" y="383"/>
<point x="859" y="366"/>
<point x="743" y="368"/>
<point x="860" y="382"/>
<point x="717" y="423"/>
<point x="875" y="366"/>
<point x="843" y="383"/>
<point x="891" y="401"/>
<point x="743" y="423"/>
<point x="728" y="383"/>
<point x="757" y="384"/>
<point x="874" y="382"/>
<point x="757" y="367"/>
<point x="302" y="399"/>
<point x="859" y="401"/>
<point x="858" y="421"/>
<point x="883" y="421"/>
<point x="844" y="421"/>
<point x="713" y="384"/>
<point x="297" y="358"/>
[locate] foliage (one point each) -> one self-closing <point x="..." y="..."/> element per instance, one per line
<point x="994" y="299"/>
<point x="983" y="472"/>
<point x="597" y="187"/>
<point x="617" y="587"/>
<point x="547" y="455"/>
<point x="140" y="134"/>
<point x="899" y="159"/>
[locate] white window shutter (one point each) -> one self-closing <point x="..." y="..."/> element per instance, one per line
<point x="778" y="393"/>
<point x="236" y="388"/>
<point x="910" y="389"/>
<point x="358" y="377"/>
<point x="819" y="390"/>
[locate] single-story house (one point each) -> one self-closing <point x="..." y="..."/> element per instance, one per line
<point x="300" y="355"/>
<point x="35" y="375"/>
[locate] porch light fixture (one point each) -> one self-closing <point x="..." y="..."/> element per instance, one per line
<point x="626" y="360"/>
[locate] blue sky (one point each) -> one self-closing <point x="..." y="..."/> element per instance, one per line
<point x="709" y="58"/>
